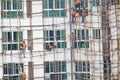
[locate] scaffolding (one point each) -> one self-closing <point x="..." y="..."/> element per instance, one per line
<point x="94" y="43"/>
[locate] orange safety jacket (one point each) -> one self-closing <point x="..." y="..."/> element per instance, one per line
<point x="23" y="75"/>
<point x="24" y="45"/>
<point x="77" y="1"/>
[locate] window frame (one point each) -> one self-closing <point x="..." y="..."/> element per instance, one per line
<point x="96" y="33"/>
<point x="56" y="68"/>
<point x="61" y="41"/>
<point x="84" y="3"/>
<point x="56" y="11"/>
<point x="81" y="37"/>
<point x="85" y="69"/>
<point x="10" y="44"/>
<point x="15" y="69"/>
<point x="95" y="3"/>
<point x="14" y="11"/>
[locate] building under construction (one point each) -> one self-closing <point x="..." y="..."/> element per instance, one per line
<point x="60" y="46"/>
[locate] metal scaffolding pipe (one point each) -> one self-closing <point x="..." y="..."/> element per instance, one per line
<point x="106" y="40"/>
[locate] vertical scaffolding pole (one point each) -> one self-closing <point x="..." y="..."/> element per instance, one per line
<point x="106" y="40"/>
<point x="30" y="64"/>
<point x="30" y="70"/>
<point x="117" y="16"/>
<point x="71" y="40"/>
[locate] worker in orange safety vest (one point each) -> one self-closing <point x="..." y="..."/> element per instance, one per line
<point x="83" y="15"/>
<point x="24" y="47"/>
<point x="50" y="47"/>
<point x="73" y="15"/>
<point x="77" y="16"/>
<point x="77" y="4"/>
<point x="23" y="76"/>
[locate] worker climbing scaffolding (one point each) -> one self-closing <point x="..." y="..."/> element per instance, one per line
<point x="77" y="16"/>
<point x="83" y="15"/>
<point x="73" y="15"/>
<point x="49" y="47"/>
<point x="24" y="48"/>
<point x="77" y="4"/>
<point x="78" y="11"/>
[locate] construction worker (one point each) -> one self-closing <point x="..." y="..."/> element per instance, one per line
<point x="55" y="44"/>
<point x="83" y="15"/>
<point x="73" y="15"/>
<point x="23" y="76"/>
<point x="50" y="47"/>
<point x="77" y="16"/>
<point x="24" y="47"/>
<point x="71" y="36"/>
<point x="77" y="4"/>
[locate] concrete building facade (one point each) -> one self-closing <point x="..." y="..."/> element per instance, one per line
<point x="78" y="54"/>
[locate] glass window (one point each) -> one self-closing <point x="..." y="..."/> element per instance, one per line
<point x="82" y="76"/>
<point x="82" y="70"/>
<point x="112" y="2"/>
<point x="117" y="2"/>
<point x="11" y="77"/>
<point x="82" y="34"/>
<point x="82" y="66"/>
<point x="57" y="70"/>
<point x="51" y="35"/>
<point x="11" y="71"/>
<point x="57" y="66"/>
<point x="51" y="67"/>
<point x="63" y="66"/>
<point x="12" y="9"/>
<point x="15" y="36"/>
<point x="54" y="8"/>
<point x="96" y="34"/>
<point x="58" y="35"/>
<point x="64" y="76"/>
<point x="9" y="36"/>
<point x="96" y="3"/>
<point x="83" y="44"/>
<point x="81" y="39"/>
<point x="47" y="67"/>
<point x="84" y="3"/>
<point x="12" y="40"/>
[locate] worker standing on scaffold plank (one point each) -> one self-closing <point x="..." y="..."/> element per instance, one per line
<point x="23" y="76"/>
<point x="77" y="16"/>
<point x="77" y="4"/>
<point x="73" y="15"/>
<point x="50" y="47"/>
<point x="24" y="48"/>
<point x="83" y="15"/>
